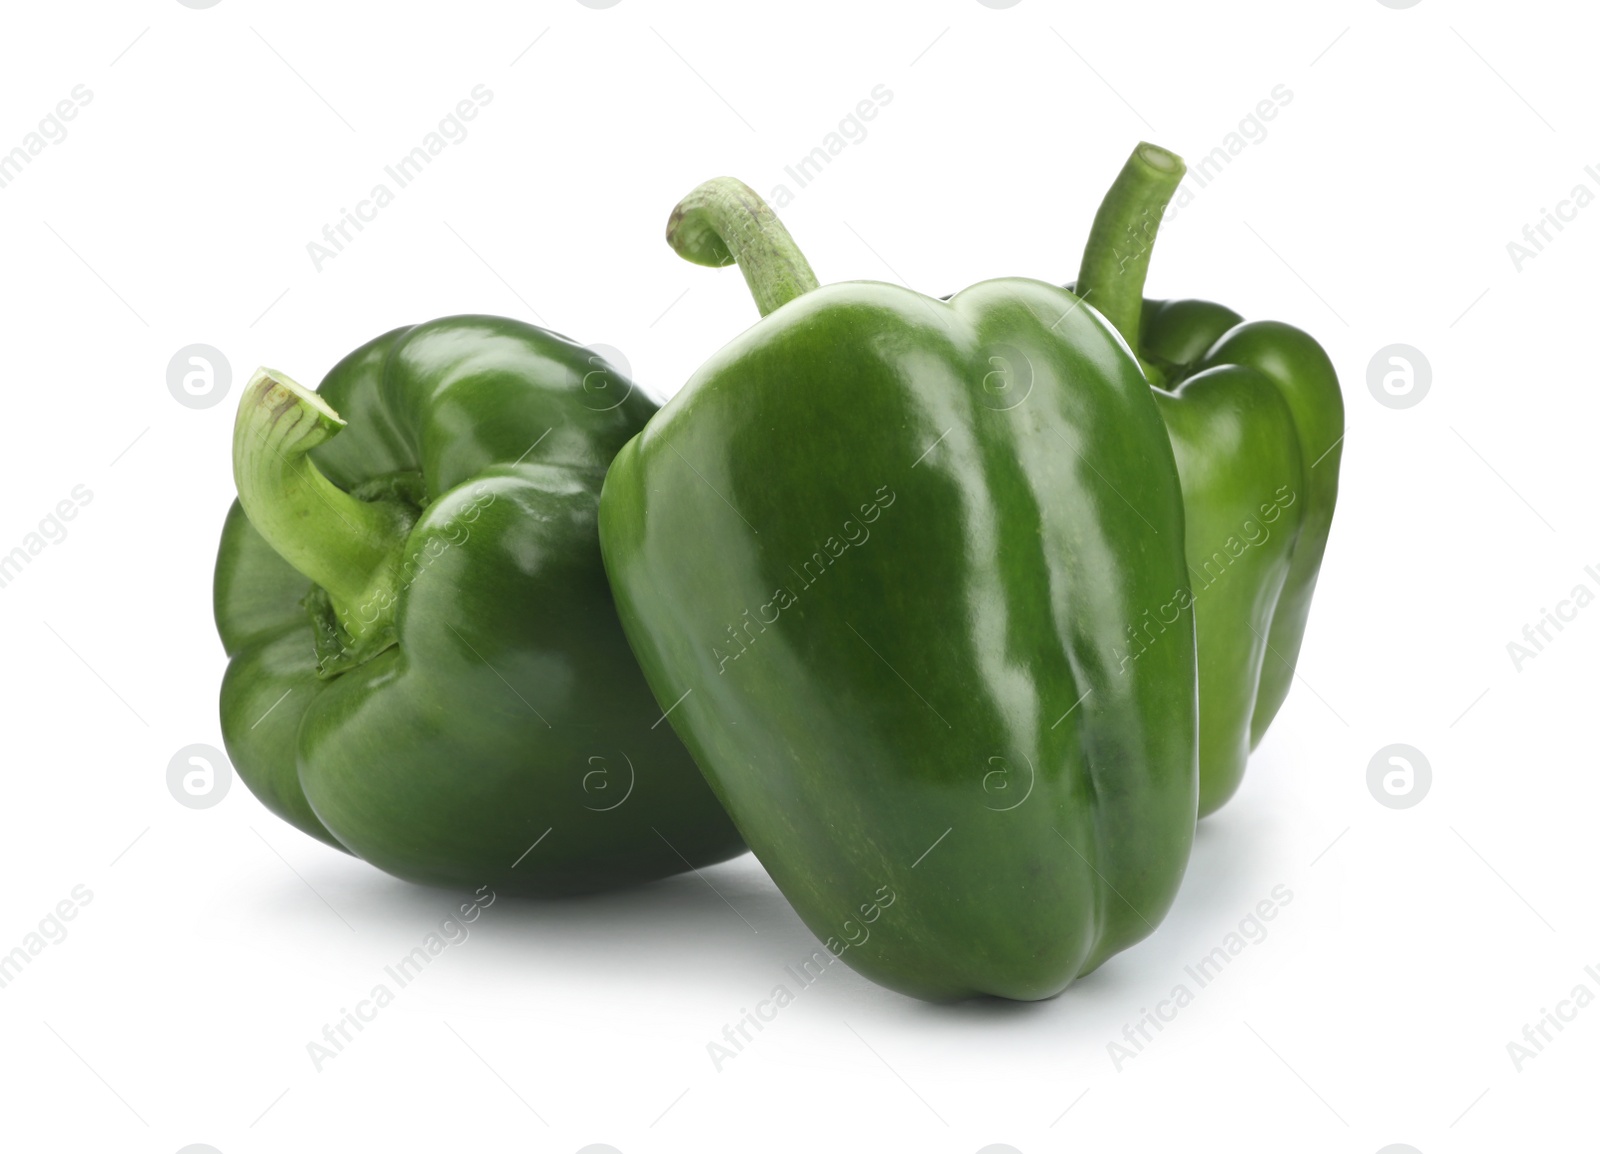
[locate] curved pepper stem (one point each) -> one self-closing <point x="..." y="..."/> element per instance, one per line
<point x="347" y="546"/>
<point x="725" y="221"/>
<point x="1117" y="255"/>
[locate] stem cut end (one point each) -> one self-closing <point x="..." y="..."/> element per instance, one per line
<point x="1159" y="158"/>
<point x="277" y="408"/>
<point x="724" y="221"/>
<point x="345" y="545"/>
<point x="691" y="235"/>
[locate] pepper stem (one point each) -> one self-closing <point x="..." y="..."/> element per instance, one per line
<point x="724" y="221"/>
<point x="1117" y="256"/>
<point x="347" y="546"/>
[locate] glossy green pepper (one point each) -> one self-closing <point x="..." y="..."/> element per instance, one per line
<point x="1257" y="422"/>
<point x="426" y="666"/>
<point x="877" y="560"/>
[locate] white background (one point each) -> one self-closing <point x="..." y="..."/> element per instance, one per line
<point x="1378" y="209"/>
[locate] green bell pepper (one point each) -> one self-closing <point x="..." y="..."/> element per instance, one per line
<point x="877" y="560"/>
<point x="1257" y="423"/>
<point x="426" y="666"/>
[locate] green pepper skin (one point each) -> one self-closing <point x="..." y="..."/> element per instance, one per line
<point x="507" y="712"/>
<point x="884" y="558"/>
<point x="1258" y="458"/>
